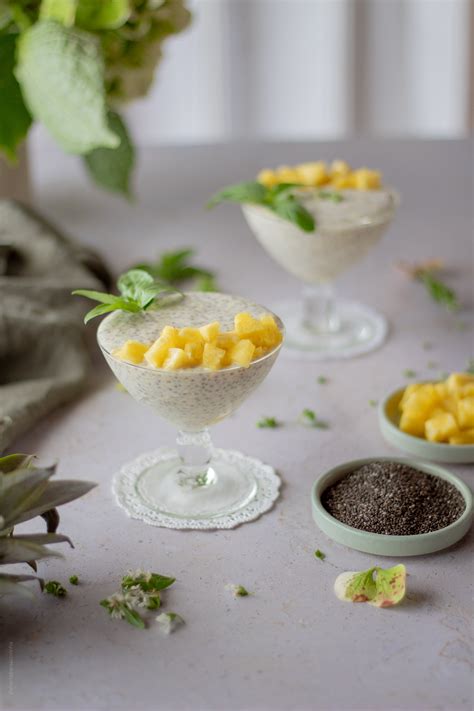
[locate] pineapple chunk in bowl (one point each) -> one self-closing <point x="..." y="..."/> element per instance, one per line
<point x="390" y="417"/>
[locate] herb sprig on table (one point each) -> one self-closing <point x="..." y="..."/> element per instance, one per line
<point x="175" y="268"/>
<point x="278" y="198"/>
<point x="428" y="273"/>
<point x="138" y="291"/>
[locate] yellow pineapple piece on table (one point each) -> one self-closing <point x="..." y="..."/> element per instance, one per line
<point x="133" y="351"/>
<point x="210" y="331"/>
<point x="268" y="178"/>
<point x="212" y="356"/>
<point x="466" y="412"/>
<point x="312" y="174"/>
<point x="194" y="353"/>
<point x="242" y="353"/>
<point x="463" y="437"/>
<point x="190" y="335"/>
<point x="441" y="427"/>
<point x="176" y="359"/>
<point x="366" y="179"/>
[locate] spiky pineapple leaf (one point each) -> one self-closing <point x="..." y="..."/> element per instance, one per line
<point x="56" y="494"/>
<point x="11" y="584"/>
<point x="11" y="462"/>
<point x="13" y="550"/>
<point x="20" y="490"/>
<point x="43" y="538"/>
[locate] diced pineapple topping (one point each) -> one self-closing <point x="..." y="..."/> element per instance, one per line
<point x="440" y="412"/>
<point x="207" y="346"/>
<point x="339" y="175"/>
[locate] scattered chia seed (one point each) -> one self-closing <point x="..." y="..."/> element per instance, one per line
<point x="394" y="499"/>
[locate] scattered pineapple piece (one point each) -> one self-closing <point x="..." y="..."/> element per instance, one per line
<point x="132" y="351"/>
<point x="176" y="358"/>
<point x="227" y="340"/>
<point x="190" y="335"/>
<point x="171" y="334"/>
<point x="242" y="353"/>
<point x="245" y="323"/>
<point x="212" y="356"/>
<point x="194" y="352"/>
<point x="156" y="354"/>
<point x="210" y="331"/>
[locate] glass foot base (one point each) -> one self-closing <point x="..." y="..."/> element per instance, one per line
<point x="234" y="489"/>
<point x="360" y="330"/>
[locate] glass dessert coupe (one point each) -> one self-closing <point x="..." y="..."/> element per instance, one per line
<point x="196" y="485"/>
<point x="319" y="326"/>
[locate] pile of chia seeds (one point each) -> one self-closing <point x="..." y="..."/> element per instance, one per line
<point x="394" y="499"/>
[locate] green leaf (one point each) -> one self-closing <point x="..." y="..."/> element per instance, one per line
<point x="44" y="538"/>
<point x="15" y="119"/>
<point x="20" y="490"/>
<point x="288" y="208"/>
<point x="439" y="291"/>
<point x="102" y="309"/>
<point x="21" y="550"/>
<point x="241" y="192"/>
<point x="319" y="554"/>
<point x="268" y="422"/>
<point x="56" y="493"/>
<point x="96" y="296"/>
<point x="11" y="462"/>
<point x="74" y="580"/>
<point x="61" y="74"/>
<point x="10" y="584"/>
<point x="132" y="617"/>
<point x="139" y="287"/>
<point x="103" y="15"/>
<point x="310" y="419"/>
<point x="63" y="11"/>
<point x="111" y="168"/>
<point x="207" y="284"/>
<point x="52" y="587"/>
<point x="147" y="581"/>
<point x="385" y="590"/>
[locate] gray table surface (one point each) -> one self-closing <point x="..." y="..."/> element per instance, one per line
<point x="292" y="644"/>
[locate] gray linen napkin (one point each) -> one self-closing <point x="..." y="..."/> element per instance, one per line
<point x="43" y="356"/>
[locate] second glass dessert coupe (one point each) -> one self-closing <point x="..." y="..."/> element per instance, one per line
<point x="194" y="485"/>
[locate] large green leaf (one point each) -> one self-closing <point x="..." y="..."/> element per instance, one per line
<point x="10" y="584"/>
<point x="103" y="15"/>
<point x="22" y="550"/>
<point x="15" y="119"/>
<point x="56" y="493"/>
<point x="17" y="497"/>
<point x="43" y="538"/>
<point x="61" y="74"/>
<point x="111" y="168"/>
<point x="11" y="462"/>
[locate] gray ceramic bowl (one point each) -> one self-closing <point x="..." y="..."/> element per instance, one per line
<point x="380" y="544"/>
<point x="389" y="419"/>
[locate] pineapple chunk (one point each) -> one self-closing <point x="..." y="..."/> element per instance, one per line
<point x="194" y="353"/>
<point x="421" y="402"/>
<point x="175" y="359"/>
<point x="466" y="413"/>
<point x="190" y="335"/>
<point x="242" y="353"/>
<point x="267" y="178"/>
<point x="227" y="340"/>
<point x="156" y="354"/>
<point x="457" y="380"/>
<point x="467" y="390"/>
<point x="210" y="331"/>
<point x="132" y="351"/>
<point x="340" y="167"/>
<point x="245" y="323"/>
<point x="312" y="174"/>
<point x="259" y="352"/>
<point x="171" y="334"/>
<point x="212" y="356"/>
<point x="412" y="424"/>
<point x="343" y="182"/>
<point x="464" y="437"/>
<point x="366" y="179"/>
<point x="285" y="174"/>
<point x="409" y="390"/>
<point x="441" y="427"/>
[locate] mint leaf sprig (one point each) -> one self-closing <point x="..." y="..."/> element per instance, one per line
<point x="175" y="268"/>
<point x="428" y="273"/>
<point x="278" y="198"/>
<point x="138" y="291"/>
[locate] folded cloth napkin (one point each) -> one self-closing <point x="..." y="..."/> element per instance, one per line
<point x="43" y="356"/>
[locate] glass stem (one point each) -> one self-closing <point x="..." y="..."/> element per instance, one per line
<point x="195" y="453"/>
<point x="319" y="314"/>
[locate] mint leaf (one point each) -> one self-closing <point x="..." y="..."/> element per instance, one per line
<point x="241" y="192"/>
<point x="319" y="554"/>
<point x="439" y="291"/>
<point x="96" y="296"/>
<point x="103" y="15"/>
<point x="289" y="208"/>
<point x="14" y="117"/>
<point x="139" y="286"/>
<point x="111" y="168"/>
<point x="63" y="11"/>
<point x="207" y="283"/>
<point x="61" y="75"/>
<point x="52" y="587"/>
<point x="147" y="581"/>
<point x="310" y="419"/>
<point x="267" y="422"/>
<point x="102" y="309"/>
<point x="356" y="587"/>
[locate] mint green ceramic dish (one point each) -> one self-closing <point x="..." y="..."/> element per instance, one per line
<point x="389" y="418"/>
<point x="379" y="544"/>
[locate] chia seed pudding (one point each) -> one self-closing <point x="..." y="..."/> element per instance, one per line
<point x="345" y="231"/>
<point x="191" y="398"/>
<point x="393" y="499"/>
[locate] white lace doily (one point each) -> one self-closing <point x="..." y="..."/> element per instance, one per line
<point x="128" y="497"/>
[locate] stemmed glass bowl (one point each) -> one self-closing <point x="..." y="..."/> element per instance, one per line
<point x="318" y="325"/>
<point x="195" y="481"/>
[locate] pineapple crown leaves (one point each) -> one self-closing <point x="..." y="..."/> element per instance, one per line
<point x="278" y="198"/>
<point x="138" y="291"/>
<point x="26" y="492"/>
